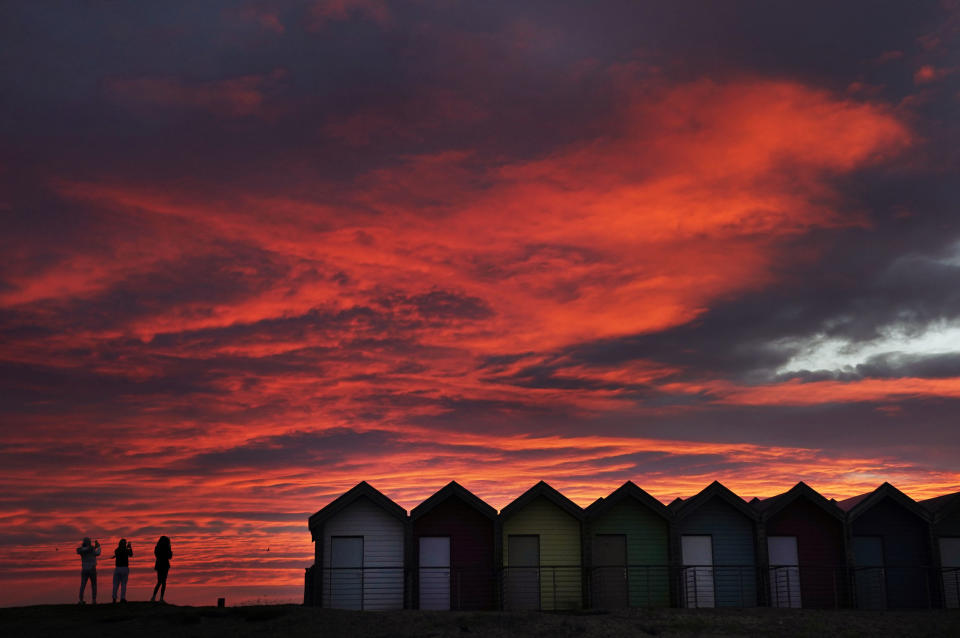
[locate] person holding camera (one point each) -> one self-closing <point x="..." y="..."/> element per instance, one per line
<point x="121" y="572"/>
<point x="163" y="553"/>
<point x="88" y="567"/>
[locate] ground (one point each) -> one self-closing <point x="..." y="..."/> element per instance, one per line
<point x="145" y="620"/>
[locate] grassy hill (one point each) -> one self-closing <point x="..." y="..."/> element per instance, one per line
<point x="145" y="620"/>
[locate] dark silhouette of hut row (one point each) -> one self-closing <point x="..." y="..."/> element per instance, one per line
<point x="879" y="550"/>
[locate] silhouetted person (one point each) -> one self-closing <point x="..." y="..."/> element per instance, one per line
<point x="121" y="571"/>
<point x="164" y="554"/>
<point x="88" y="567"/>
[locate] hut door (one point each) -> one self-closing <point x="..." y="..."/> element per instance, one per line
<point x="523" y="572"/>
<point x="435" y="572"/>
<point x="950" y="562"/>
<point x="346" y="572"/>
<point x="697" y="571"/>
<point x="784" y="571"/>
<point x="868" y="576"/>
<point x="610" y="571"/>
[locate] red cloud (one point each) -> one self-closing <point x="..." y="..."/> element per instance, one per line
<point x="685" y="201"/>
<point x="795" y="392"/>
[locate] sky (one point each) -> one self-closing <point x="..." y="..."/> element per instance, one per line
<point x="255" y="253"/>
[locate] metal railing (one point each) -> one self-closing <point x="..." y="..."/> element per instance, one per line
<point x="950" y="586"/>
<point x="546" y="587"/>
<point x="717" y="586"/>
<point x="380" y="588"/>
<point x="896" y="586"/>
<point x="467" y="588"/>
<point x="568" y="587"/>
<point x="807" y="586"/>
<point x="613" y="587"/>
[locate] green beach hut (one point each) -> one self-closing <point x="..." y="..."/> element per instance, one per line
<point x="542" y="553"/>
<point x="627" y="550"/>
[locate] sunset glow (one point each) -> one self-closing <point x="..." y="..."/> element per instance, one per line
<point x="256" y="253"/>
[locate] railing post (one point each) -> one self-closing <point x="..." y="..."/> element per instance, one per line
<point x="789" y="593"/>
<point x="740" y="584"/>
<point x="696" y="589"/>
<point x="553" y="571"/>
<point x="836" y="595"/>
<point x="956" y="584"/>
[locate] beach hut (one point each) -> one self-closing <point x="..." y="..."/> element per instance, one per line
<point x="945" y="511"/>
<point x="359" y="542"/>
<point x="805" y="549"/>
<point x="627" y="550"/>
<point x="890" y="549"/>
<point x="542" y="562"/>
<point x="714" y="538"/>
<point x="454" y="537"/>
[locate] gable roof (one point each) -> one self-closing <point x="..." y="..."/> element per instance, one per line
<point x="942" y="506"/>
<point x="857" y="505"/>
<point x="714" y="490"/>
<point x="769" y="507"/>
<point x="453" y="490"/>
<point x="547" y="492"/>
<point x="358" y="491"/>
<point x="628" y="490"/>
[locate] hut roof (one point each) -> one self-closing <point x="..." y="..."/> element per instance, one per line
<point x="628" y="490"/>
<point x="358" y="491"/>
<point x="542" y="489"/>
<point x="453" y="490"/>
<point x="942" y="506"/>
<point x="716" y="489"/>
<point x="857" y="505"/>
<point x="768" y="507"/>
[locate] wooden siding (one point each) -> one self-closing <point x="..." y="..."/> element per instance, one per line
<point x="382" y="547"/>
<point x="472" y="557"/>
<point x="948" y="525"/>
<point x="559" y="551"/>
<point x="906" y="551"/>
<point x="734" y="555"/>
<point x="820" y="550"/>
<point x="647" y="550"/>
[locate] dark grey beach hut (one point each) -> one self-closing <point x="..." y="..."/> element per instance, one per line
<point x="890" y="550"/>
<point x="945" y="511"/>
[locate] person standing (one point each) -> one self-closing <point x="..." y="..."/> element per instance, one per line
<point x="163" y="553"/>
<point x="88" y="567"/>
<point x="121" y="571"/>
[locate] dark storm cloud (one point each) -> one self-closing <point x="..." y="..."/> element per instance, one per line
<point x="899" y="365"/>
<point x="197" y="283"/>
<point x="301" y="449"/>
<point x="508" y="64"/>
<point x="43" y="389"/>
<point x="440" y="305"/>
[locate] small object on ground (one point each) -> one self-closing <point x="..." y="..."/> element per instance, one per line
<point x="221" y="602"/>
